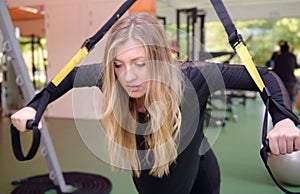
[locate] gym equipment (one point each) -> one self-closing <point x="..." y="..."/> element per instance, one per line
<point x="10" y="94"/>
<point x="83" y="183"/>
<point x="195" y="43"/>
<point x="286" y="168"/>
<point x="192" y="16"/>
<point x="56" y="177"/>
<point x="238" y="45"/>
<point x="163" y="20"/>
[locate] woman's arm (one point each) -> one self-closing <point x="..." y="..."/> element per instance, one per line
<point x="237" y="77"/>
<point x="210" y="77"/>
<point x="83" y="76"/>
<point x="285" y="136"/>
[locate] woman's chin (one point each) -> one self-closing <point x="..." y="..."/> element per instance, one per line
<point x="135" y="94"/>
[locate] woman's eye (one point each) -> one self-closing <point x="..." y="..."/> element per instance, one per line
<point x="140" y="64"/>
<point x="117" y="65"/>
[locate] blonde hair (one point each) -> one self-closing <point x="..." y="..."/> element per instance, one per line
<point x="161" y="101"/>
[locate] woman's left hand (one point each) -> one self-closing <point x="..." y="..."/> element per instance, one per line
<point x="284" y="137"/>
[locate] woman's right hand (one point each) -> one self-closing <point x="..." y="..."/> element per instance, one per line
<point x="20" y="118"/>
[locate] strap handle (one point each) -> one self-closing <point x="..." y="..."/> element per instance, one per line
<point x="15" y="135"/>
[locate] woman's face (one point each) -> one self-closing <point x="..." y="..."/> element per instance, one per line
<point x="130" y="68"/>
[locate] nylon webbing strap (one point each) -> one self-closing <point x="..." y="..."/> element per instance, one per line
<point x="86" y="47"/>
<point x="239" y="46"/>
<point x="225" y="19"/>
<point x="246" y="58"/>
<point x="89" y="44"/>
<point x="70" y="66"/>
<point x="237" y="43"/>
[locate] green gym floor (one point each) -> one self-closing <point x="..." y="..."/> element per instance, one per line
<point x="237" y="150"/>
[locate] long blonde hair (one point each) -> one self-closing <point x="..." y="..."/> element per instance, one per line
<point x="161" y="101"/>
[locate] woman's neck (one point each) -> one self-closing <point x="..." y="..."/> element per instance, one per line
<point x="140" y="105"/>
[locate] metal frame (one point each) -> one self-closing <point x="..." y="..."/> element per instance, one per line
<point x="194" y="17"/>
<point x="164" y="21"/>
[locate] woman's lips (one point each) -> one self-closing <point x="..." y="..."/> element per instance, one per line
<point x="133" y="88"/>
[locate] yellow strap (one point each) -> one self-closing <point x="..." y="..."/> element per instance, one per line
<point x="70" y="66"/>
<point x="246" y="58"/>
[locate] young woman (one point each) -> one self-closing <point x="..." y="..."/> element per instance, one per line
<point x="153" y="109"/>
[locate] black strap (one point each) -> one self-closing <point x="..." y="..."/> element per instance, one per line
<point x="234" y="40"/>
<point x="92" y="41"/>
<point x="233" y="37"/>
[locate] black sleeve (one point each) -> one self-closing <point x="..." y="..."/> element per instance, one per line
<point x="244" y="81"/>
<point x="207" y="78"/>
<point x="82" y="76"/>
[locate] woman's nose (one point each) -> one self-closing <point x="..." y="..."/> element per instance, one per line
<point x="130" y="74"/>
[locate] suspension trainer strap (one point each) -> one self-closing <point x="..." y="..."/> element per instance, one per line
<point x="89" y="44"/>
<point x="237" y="43"/>
<point x="86" y="47"/>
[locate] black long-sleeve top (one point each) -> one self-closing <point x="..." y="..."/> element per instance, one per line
<point x="205" y="79"/>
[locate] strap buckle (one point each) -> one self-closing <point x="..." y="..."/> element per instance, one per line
<point x="235" y="39"/>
